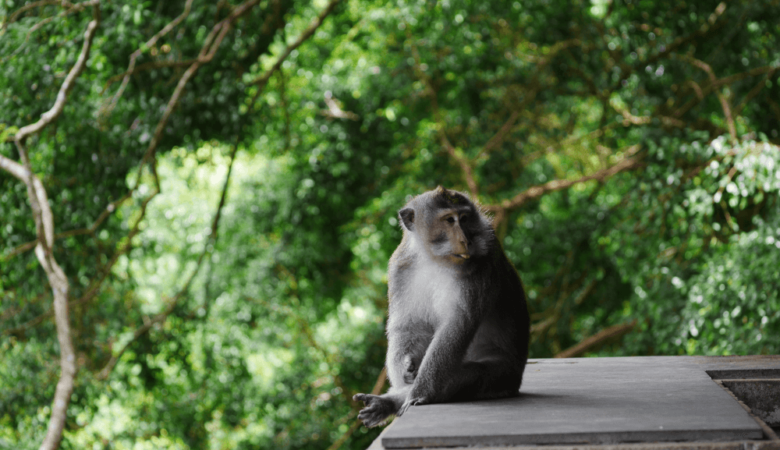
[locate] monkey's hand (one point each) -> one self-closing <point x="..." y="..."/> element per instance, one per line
<point x="410" y="370"/>
<point x="377" y="409"/>
<point x="411" y="401"/>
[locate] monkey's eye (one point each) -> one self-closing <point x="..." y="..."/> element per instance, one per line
<point x="464" y="217"/>
<point x="451" y="219"/>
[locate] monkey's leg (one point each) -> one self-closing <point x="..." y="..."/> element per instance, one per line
<point x="484" y="379"/>
<point x="380" y="407"/>
<point x="405" y="351"/>
<point x="440" y="373"/>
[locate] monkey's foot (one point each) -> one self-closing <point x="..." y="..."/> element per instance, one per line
<point x="377" y="409"/>
<point x="411" y="402"/>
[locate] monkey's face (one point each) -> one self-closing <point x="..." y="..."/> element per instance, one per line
<point x="448" y="235"/>
<point x="447" y="225"/>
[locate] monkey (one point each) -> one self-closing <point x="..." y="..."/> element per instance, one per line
<point x="458" y="324"/>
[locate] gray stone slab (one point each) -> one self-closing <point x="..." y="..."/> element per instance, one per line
<point x="592" y="401"/>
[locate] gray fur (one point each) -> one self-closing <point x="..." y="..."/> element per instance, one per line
<point x="458" y="325"/>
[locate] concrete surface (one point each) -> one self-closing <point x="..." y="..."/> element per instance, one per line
<point x="595" y="401"/>
<point x="762" y="396"/>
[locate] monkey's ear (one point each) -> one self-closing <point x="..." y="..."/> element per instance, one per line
<point x="407" y="218"/>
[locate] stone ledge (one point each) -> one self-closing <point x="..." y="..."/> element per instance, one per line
<point x="604" y="403"/>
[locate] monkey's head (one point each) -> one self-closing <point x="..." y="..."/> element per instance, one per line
<point x="447" y="225"/>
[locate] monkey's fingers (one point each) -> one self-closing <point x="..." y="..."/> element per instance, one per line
<point x="365" y="398"/>
<point x="372" y="416"/>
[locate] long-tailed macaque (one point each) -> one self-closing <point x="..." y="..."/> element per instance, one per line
<point x="458" y="325"/>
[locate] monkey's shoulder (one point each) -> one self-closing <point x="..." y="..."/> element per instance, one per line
<point x="404" y="255"/>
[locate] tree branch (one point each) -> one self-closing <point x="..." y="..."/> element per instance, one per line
<point x="134" y="56"/>
<point x="44" y="226"/>
<point x="94" y="288"/>
<point x="71" y="9"/>
<point x="263" y="79"/>
<point x="14" y="168"/>
<point x="753" y="92"/>
<point x="113" y="206"/>
<point x="723" y="101"/>
<point x="207" y="52"/>
<point x="206" y="55"/>
<point x="161" y="317"/>
<point x="67" y="85"/>
<point x="12" y="18"/>
<point x="598" y="339"/>
<point x="535" y="192"/>
<point x="500" y="136"/>
<point x="461" y="160"/>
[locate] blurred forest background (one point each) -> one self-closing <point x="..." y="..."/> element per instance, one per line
<point x="198" y="198"/>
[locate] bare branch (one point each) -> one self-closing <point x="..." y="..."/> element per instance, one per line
<point x="712" y="26"/>
<point x="14" y="168"/>
<point x="134" y="56"/>
<point x="94" y="287"/>
<point x="334" y="110"/>
<point x="262" y="80"/>
<point x="26" y="247"/>
<point x="586" y="292"/>
<point x="500" y="136"/>
<point x="67" y="85"/>
<point x="460" y="159"/>
<point x="44" y="226"/>
<point x="463" y="162"/>
<point x="113" y="206"/>
<point x="540" y="327"/>
<point x="12" y="18"/>
<point x="207" y="52"/>
<point x="598" y="339"/>
<point x="630" y="119"/>
<point x="71" y="9"/>
<point x="380" y="382"/>
<point x="701" y="92"/>
<point x="753" y="92"/>
<point x="206" y="55"/>
<point x="535" y="192"/>
<point x="723" y="101"/>
<point x="161" y="317"/>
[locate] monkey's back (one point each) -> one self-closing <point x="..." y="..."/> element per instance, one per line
<point x="506" y="326"/>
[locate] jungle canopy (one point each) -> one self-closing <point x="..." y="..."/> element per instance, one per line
<point x="206" y="193"/>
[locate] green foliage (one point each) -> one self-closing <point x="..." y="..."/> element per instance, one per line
<point x="284" y="318"/>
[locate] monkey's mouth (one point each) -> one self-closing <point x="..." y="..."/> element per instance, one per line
<point x="463" y="256"/>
